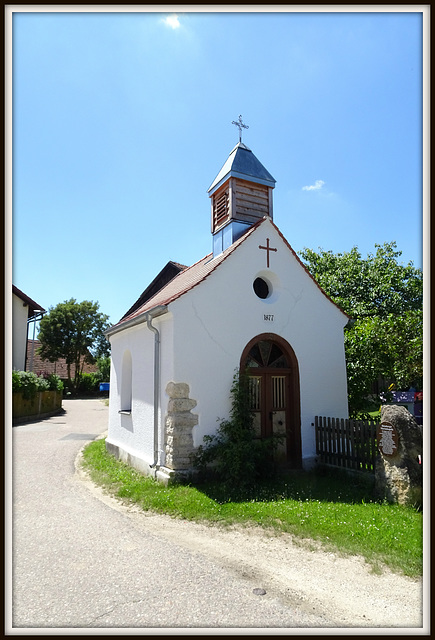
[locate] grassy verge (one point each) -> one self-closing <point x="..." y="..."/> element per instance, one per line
<point x="328" y="507"/>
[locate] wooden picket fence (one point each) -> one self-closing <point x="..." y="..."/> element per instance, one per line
<point x="350" y="444"/>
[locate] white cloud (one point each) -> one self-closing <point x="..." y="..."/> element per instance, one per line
<point x="172" y="21"/>
<point x="314" y="187"/>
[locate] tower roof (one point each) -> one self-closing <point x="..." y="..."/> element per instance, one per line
<point x="241" y="163"/>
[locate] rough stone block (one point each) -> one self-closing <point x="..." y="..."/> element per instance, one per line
<point x="180" y="422"/>
<point x="179" y="440"/>
<point x="169" y="460"/>
<point x="177" y="390"/>
<point x="176" y="405"/>
<point x="399" y="477"/>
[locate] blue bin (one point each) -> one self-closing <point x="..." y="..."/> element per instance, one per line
<point x="104" y="386"/>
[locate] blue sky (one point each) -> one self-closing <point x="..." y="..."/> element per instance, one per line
<point x="121" y="121"/>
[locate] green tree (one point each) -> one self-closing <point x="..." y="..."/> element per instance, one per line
<point x="103" y="364"/>
<point x="74" y="331"/>
<point x="384" y="298"/>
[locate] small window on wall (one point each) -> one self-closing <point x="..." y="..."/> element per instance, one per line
<point x="126" y="383"/>
<point x="261" y="288"/>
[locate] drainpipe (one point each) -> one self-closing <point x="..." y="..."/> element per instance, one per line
<point x="147" y="317"/>
<point x="33" y="319"/>
<point x="154" y="313"/>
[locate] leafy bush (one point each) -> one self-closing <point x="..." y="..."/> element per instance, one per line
<point x="89" y="383"/>
<point x="16" y="381"/>
<point x="236" y="453"/>
<point x="54" y="382"/>
<point x="28" y="383"/>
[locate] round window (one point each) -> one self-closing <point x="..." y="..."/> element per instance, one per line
<point x="261" y="288"/>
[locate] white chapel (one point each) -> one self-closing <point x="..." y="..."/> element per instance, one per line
<point x="250" y="305"/>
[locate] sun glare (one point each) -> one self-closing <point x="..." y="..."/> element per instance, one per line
<point x="172" y="21"/>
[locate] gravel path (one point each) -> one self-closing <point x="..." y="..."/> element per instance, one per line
<point x="83" y="560"/>
<point x="341" y="591"/>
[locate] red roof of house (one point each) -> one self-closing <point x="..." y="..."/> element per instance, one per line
<point x="169" y="271"/>
<point x="190" y="277"/>
<point x="187" y="279"/>
<point x="59" y="367"/>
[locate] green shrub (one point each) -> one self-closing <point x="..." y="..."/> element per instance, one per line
<point x="89" y="383"/>
<point x="54" y="382"/>
<point x="236" y="454"/>
<point x="16" y="381"/>
<point x="28" y="383"/>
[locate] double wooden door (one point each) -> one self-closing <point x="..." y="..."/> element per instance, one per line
<point x="274" y="394"/>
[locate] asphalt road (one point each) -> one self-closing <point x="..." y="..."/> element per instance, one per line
<point x="78" y="563"/>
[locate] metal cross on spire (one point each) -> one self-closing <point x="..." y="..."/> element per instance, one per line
<point x="241" y="126"/>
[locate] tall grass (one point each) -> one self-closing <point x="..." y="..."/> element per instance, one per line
<point x="334" y="509"/>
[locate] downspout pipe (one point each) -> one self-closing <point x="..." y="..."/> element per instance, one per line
<point x="34" y="319"/>
<point x="148" y="317"/>
<point x="154" y="313"/>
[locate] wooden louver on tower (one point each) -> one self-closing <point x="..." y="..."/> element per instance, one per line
<point x="221" y="208"/>
<point x="241" y="194"/>
<point x="241" y="200"/>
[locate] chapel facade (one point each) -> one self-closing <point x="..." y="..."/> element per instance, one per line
<point x="249" y="305"/>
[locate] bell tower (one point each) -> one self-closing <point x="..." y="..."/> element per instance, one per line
<point x="241" y="194"/>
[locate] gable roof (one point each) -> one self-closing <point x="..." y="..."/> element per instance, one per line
<point x="59" y="367"/>
<point x="34" y="307"/>
<point x="190" y="277"/>
<point x="169" y="271"/>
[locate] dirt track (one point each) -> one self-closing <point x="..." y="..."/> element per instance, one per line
<point x="82" y="560"/>
<point x="342" y="590"/>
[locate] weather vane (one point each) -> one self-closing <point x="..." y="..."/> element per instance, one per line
<point x="241" y="126"/>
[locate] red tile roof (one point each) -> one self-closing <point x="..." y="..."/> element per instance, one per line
<point x="59" y="367"/>
<point x="169" y="271"/>
<point x="190" y="277"/>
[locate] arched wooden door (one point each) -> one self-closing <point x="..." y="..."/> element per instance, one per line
<point x="272" y="367"/>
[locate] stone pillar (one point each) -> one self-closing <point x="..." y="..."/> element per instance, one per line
<point x="178" y="427"/>
<point x="398" y="473"/>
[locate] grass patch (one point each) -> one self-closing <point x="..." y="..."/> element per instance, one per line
<point x="329" y="507"/>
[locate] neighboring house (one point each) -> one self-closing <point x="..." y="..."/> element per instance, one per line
<point x="45" y="367"/>
<point x="250" y="304"/>
<point x="24" y="311"/>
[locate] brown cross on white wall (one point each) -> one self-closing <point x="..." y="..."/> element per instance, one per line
<point x="268" y="249"/>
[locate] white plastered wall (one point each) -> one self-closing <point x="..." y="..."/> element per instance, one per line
<point x="134" y="433"/>
<point x="215" y="321"/>
<point x="20" y="312"/>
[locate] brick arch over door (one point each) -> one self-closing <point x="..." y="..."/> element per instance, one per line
<point x="273" y="371"/>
